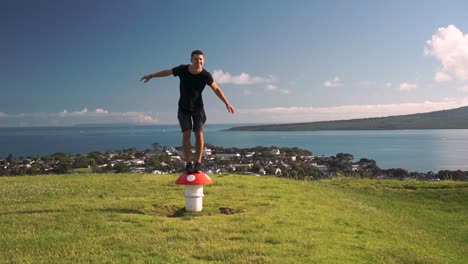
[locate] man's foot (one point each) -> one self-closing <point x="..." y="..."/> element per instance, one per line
<point x="189" y="166"/>
<point x="198" y="166"/>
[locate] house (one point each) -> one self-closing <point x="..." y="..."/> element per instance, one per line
<point x="321" y="168"/>
<point x="278" y="172"/>
<point x="176" y="157"/>
<point x="215" y="171"/>
<point x="138" y="169"/>
<point x="225" y="156"/>
<point x="137" y="162"/>
<point x="152" y="154"/>
<point x="249" y="154"/>
<point x="207" y="152"/>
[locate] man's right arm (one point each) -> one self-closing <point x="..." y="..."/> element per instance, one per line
<point x="163" y="73"/>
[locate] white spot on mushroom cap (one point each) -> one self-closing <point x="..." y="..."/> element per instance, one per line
<point x="191" y="178"/>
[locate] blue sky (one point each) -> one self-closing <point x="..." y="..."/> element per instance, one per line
<point x="71" y="62"/>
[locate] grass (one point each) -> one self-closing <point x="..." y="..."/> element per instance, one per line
<point x="82" y="170"/>
<point x="140" y="218"/>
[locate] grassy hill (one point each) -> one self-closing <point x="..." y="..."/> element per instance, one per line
<point x="446" y="119"/>
<point x="139" y="218"/>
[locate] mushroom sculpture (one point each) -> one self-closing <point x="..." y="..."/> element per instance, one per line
<point x="194" y="182"/>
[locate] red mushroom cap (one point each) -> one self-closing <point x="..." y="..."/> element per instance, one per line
<point x="194" y="178"/>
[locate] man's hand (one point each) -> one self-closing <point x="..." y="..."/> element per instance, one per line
<point x="230" y="108"/>
<point x="163" y="73"/>
<point x="146" y="78"/>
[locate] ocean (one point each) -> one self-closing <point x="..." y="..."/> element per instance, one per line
<point x="413" y="150"/>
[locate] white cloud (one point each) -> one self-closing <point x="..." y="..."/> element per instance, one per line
<point x="408" y="86"/>
<point x="271" y="87"/>
<point x="84" y="112"/>
<point x="310" y="114"/>
<point x="450" y="46"/>
<point x="367" y="83"/>
<point x="222" y="77"/>
<point x="2" y="114"/>
<point x="336" y="82"/>
<point x="464" y="88"/>
<point x="441" y="76"/>
<point x="137" y="117"/>
<point x="83" y="116"/>
<point x="101" y="111"/>
<point x="388" y="84"/>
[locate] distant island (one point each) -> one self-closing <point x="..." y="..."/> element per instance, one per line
<point x="445" y="119"/>
<point x="105" y="125"/>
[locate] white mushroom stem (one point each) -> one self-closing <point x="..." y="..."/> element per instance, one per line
<point x="193" y="198"/>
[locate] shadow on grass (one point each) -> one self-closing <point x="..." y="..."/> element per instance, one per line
<point x="44" y="211"/>
<point x="167" y="211"/>
<point x="181" y="212"/>
<point x="173" y="211"/>
<point x="120" y="210"/>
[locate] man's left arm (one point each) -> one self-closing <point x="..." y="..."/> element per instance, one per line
<point x="221" y="96"/>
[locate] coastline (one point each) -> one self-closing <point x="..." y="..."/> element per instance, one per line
<point x="415" y="150"/>
<point x="294" y="163"/>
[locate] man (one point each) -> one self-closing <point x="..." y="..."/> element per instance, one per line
<point x="191" y="112"/>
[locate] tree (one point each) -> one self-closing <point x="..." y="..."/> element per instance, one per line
<point x="154" y="162"/>
<point x="130" y="151"/>
<point x="59" y="155"/>
<point x="370" y="166"/>
<point x="64" y="163"/>
<point x="97" y="157"/>
<point x="121" y="168"/>
<point x="11" y="159"/>
<point x="63" y="166"/>
<point x="35" y="169"/>
<point x="4" y="171"/>
<point x="82" y="162"/>
<point x="452" y="175"/>
<point x="344" y="157"/>
<point x="398" y="173"/>
<point x="255" y="168"/>
<point x="157" y="147"/>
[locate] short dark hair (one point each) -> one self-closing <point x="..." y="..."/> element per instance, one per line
<point x="198" y="52"/>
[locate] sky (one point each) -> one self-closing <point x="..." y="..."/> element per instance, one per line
<point x="74" y="62"/>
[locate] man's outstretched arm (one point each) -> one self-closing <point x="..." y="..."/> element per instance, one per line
<point x="163" y="73"/>
<point x="221" y="96"/>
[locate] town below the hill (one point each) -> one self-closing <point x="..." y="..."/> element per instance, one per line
<point x="285" y="162"/>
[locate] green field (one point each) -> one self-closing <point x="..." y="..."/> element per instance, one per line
<point x="139" y="218"/>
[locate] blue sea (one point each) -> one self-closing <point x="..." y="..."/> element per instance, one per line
<point x="414" y="150"/>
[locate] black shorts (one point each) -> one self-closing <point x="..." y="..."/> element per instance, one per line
<point x="195" y="121"/>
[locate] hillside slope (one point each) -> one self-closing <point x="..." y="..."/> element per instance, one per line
<point x="446" y="119"/>
<point x="140" y="218"/>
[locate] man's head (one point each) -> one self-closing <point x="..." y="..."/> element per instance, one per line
<point x="197" y="58"/>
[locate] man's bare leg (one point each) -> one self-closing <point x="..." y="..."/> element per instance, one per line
<point x="199" y="144"/>
<point x="186" y="145"/>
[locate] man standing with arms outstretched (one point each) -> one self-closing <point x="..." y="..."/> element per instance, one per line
<point x="191" y="112"/>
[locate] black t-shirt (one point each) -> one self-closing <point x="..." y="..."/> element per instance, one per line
<point x="191" y="88"/>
